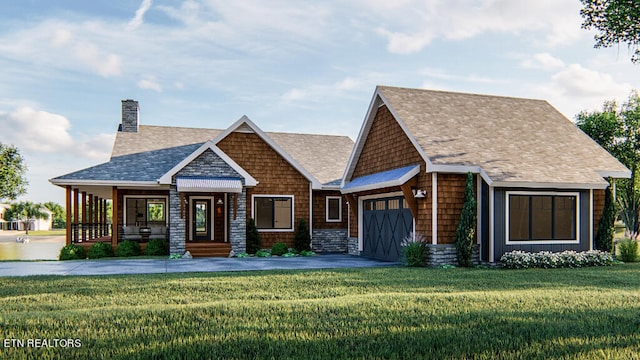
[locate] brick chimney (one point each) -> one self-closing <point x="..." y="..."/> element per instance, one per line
<point x="130" y="116"/>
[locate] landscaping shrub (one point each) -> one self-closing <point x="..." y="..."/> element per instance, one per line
<point x="466" y="232"/>
<point x="628" y="250"/>
<point x="307" y="253"/>
<point x="302" y="239"/>
<point x="606" y="225"/>
<point x="157" y="247"/>
<point x="263" y="253"/>
<point x="253" y="237"/>
<point x="279" y="249"/>
<point x="100" y="250"/>
<point x="128" y="248"/>
<point x="72" y="252"/>
<point x="414" y="250"/>
<point x="544" y="259"/>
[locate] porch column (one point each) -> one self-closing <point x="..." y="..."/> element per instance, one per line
<point x="68" y="218"/>
<point x="90" y="215"/>
<point x="105" y="229"/>
<point x="75" y="215"/>
<point x="114" y="216"/>
<point x="84" y="216"/>
<point x="96" y="212"/>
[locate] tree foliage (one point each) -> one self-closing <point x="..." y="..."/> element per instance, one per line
<point x="13" y="182"/>
<point x="253" y="237"/>
<point x="466" y="232"/>
<point x="26" y="212"/>
<point x="59" y="214"/>
<point x="617" y="21"/>
<point x="617" y="129"/>
<point x="302" y="239"/>
<point x="606" y="225"/>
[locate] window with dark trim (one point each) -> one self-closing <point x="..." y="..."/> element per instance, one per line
<point x="334" y="209"/>
<point x="273" y="212"/>
<point x="542" y="217"/>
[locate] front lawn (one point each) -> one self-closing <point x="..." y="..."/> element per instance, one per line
<point x="406" y="313"/>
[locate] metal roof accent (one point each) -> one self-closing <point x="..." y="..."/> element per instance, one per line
<point x="209" y="184"/>
<point x="395" y="177"/>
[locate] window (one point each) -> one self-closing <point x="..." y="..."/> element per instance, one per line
<point x="542" y="217"/>
<point x="273" y="212"/>
<point x="142" y="211"/>
<point x="334" y="209"/>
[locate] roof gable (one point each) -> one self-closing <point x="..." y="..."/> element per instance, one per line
<point x="509" y="141"/>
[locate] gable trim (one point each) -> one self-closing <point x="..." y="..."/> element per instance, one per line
<point x="209" y="145"/>
<point x="244" y="124"/>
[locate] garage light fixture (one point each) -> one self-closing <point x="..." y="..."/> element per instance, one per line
<point x="419" y="194"/>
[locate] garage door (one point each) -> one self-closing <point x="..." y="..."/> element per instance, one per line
<point x="385" y="223"/>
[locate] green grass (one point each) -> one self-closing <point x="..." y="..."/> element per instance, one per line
<point x="589" y="313"/>
<point x="55" y="232"/>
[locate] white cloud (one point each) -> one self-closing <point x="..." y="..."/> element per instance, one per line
<point x="544" y="61"/>
<point x="35" y="131"/>
<point x="409" y="31"/>
<point x="150" y="83"/>
<point x="581" y="82"/>
<point x="104" y="64"/>
<point x="138" y="19"/>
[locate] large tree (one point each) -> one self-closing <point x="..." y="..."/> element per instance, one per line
<point x="26" y="212"/>
<point x="617" y="129"/>
<point x="59" y="215"/>
<point x="617" y="21"/>
<point x="13" y="182"/>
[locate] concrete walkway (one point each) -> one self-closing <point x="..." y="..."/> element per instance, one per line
<point x="156" y="266"/>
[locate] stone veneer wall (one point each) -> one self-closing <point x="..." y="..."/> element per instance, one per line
<point x="329" y="240"/>
<point x="177" y="225"/>
<point x="445" y="254"/>
<point x="352" y="246"/>
<point x="238" y="227"/>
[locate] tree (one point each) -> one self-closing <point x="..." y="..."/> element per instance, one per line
<point x="466" y="232"/>
<point x="302" y="240"/>
<point x="253" y="237"/>
<point x="26" y="212"/>
<point x="13" y="182"/>
<point x="617" y="21"/>
<point x="59" y="215"/>
<point x="618" y="131"/>
<point x="606" y="225"/>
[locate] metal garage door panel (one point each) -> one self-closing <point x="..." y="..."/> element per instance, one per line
<point x="385" y="223"/>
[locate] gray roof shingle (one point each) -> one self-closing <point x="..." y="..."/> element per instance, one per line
<point x="513" y="140"/>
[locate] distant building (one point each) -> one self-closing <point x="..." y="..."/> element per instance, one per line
<point x="35" y="224"/>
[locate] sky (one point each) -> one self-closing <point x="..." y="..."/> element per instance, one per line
<point x="289" y="65"/>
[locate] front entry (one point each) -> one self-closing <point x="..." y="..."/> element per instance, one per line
<point x="386" y="222"/>
<point x="201" y="219"/>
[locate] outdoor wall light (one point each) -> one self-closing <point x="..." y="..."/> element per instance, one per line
<point x="419" y="194"/>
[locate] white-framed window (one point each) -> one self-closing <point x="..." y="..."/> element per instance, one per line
<point x="542" y="217"/>
<point x="273" y="212"/>
<point x="333" y="206"/>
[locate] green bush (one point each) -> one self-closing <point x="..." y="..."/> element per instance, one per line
<point x="128" y="248"/>
<point x="466" y="232"/>
<point x="157" y="247"/>
<point x="279" y="249"/>
<point x="628" y="250"/>
<point x="414" y="250"/>
<point x="100" y="250"/>
<point x="307" y="253"/>
<point x="302" y="239"/>
<point x="263" y="253"/>
<point x="253" y="237"/>
<point x="72" y="252"/>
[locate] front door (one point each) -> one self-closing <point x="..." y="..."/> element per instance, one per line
<point x="201" y="219"/>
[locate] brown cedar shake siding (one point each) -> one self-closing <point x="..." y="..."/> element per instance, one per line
<point x="275" y="176"/>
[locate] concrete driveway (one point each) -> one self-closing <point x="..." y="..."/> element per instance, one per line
<point x="156" y="266"/>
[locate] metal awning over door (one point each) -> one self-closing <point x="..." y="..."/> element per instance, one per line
<point x="209" y="184"/>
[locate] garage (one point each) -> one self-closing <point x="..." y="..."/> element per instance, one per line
<point x="386" y="222"/>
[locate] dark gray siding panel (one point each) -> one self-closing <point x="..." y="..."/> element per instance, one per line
<point x="484" y="236"/>
<point x="500" y="226"/>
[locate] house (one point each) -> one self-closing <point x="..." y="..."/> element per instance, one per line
<point x="197" y="188"/>
<point x="539" y="180"/>
<point x="34" y="224"/>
